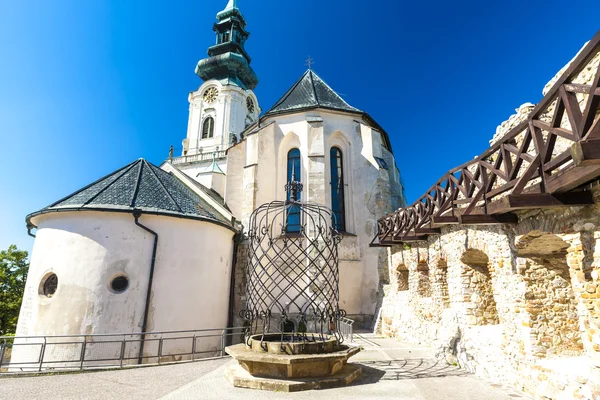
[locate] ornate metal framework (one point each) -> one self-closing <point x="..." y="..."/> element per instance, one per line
<point x="537" y="164"/>
<point x="293" y="277"/>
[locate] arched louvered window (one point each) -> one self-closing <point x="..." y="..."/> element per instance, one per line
<point x="337" y="189"/>
<point x="293" y="173"/>
<point x="208" y="128"/>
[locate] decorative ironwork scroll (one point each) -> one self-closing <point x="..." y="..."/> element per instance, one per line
<point x="292" y="274"/>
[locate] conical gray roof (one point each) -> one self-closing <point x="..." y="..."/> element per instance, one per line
<point x="141" y="186"/>
<point x="310" y="91"/>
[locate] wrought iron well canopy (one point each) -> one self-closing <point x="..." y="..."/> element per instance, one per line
<point x="292" y="271"/>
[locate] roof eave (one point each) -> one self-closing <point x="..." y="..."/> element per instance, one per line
<point x="127" y="210"/>
<point x="314" y="107"/>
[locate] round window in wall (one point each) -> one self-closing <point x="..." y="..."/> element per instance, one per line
<point x="49" y="285"/>
<point x="119" y="284"/>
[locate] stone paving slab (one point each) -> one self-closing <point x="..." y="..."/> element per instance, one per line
<point x="130" y="384"/>
<point x="390" y="370"/>
<point x="373" y="384"/>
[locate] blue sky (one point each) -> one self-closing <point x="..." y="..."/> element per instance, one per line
<point x="88" y="86"/>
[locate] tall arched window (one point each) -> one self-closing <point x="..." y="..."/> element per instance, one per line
<point x="337" y="189"/>
<point x="293" y="173"/>
<point x="208" y="128"/>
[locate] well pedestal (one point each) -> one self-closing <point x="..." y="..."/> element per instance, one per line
<point x="292" y="365"/>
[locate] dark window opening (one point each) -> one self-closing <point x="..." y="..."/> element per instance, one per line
<point x="119" y="284"/>
<point x="293" y="173"/>
<point x="337" y="189"/>
<point x="208" y="128"/>
<point x="225" y="37"/>
<point x="381" y="162"/>
<point x="50" y="285"/>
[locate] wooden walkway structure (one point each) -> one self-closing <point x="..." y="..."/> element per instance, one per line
<point x="540" y="163"/>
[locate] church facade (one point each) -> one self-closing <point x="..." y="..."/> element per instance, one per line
<point x="147" y="248"/>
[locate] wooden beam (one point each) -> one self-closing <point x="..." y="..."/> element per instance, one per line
<point x="539" y="200"/>
<point x="570" y="178"/>
<point x="564" y="133"/>
<point x="558" y="161"/>
<point x="444" y="220"/>
<point x="586" y="152"/>
<point x="428" y="231"/>
<point x="573" y="111"/>
<point x="578" y="88"/>
<point x="482" y="219"/>
<point x="406" y="239"/>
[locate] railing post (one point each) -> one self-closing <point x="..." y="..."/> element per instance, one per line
<point x="42" y="352"/>
<point x="82" y="357"/>
<point x="2" y="350"/>
<point x="122" y="352"/>
<point x="223" y="343"/>
<point x="160" y="345"/>
<point x="193" y="347"/>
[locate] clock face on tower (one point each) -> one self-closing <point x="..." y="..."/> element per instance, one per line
<point x="211" y="95"/>
<point x="250" y="104"/>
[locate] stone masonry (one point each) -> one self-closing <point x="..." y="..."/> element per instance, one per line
<point x="516" y="304"/>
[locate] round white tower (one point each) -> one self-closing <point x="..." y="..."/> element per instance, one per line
<point x="136" y="251"/>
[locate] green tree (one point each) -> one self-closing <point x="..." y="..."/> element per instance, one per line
<point x="13" y="275"/>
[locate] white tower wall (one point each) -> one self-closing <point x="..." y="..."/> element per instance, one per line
<point x="229" y="111"/>
<point x="87" y="249"/>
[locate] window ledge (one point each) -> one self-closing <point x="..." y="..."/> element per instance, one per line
<point x="348" y="234"/>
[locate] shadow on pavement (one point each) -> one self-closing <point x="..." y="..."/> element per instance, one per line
<point x="374" y="371"/>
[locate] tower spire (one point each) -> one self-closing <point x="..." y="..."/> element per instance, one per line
<point x="228" y="60"/>
<point x="231" y="5"/>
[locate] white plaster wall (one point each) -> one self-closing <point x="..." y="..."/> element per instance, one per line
<point x="202" y="173"/>
<point x="367" y="192"/>
<point x="86" y="249"/>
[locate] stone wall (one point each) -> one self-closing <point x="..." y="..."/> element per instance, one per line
<point x="239" y="284"/>
<point x="517" y="304"/>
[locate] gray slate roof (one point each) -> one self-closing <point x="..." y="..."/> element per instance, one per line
<point x="139" y="185"/>
<point x="310" y="91"/>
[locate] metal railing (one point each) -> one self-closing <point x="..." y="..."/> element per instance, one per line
<point x="207" y="156"/>
<point x="345" y="326"/>
<point x="80" y="352"/>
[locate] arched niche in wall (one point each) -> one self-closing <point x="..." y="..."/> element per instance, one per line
<point x="549" y="304"/>
<point x="339" y="140"/>
<point x="440" y="283"/>
<point x="401" y="275"/>
<point x="477" y="281"/>
<point x="423" y="281"/>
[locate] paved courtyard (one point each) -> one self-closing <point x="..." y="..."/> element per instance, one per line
<point x="391" y="370"/>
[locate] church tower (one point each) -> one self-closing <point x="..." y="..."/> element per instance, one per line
<point x="224" y="105"/>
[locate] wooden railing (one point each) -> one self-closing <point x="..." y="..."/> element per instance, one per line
<point x="536" y="164"/>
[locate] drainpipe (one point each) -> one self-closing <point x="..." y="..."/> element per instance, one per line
<point x="30" y="226"/>
<point x="136" y="215"/>
<point x="237" y="239"/>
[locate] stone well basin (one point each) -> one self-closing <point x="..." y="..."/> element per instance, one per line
<point x="271" y="343"/>
<point x="327" y="358"/>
